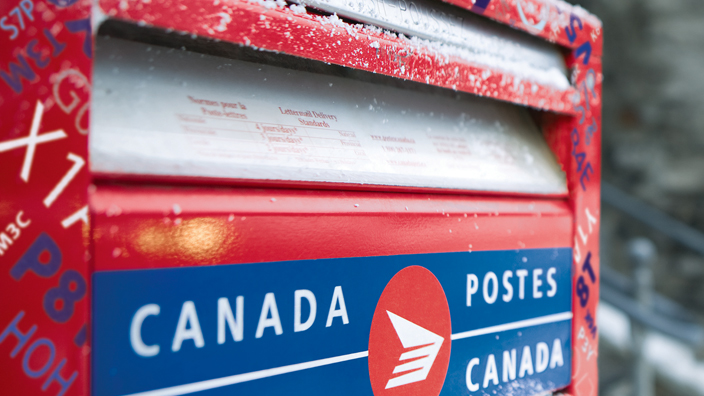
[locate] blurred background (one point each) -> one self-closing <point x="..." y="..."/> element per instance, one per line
<point x="653" y="172"/>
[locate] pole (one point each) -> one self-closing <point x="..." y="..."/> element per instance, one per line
<point x="643" y="255"/>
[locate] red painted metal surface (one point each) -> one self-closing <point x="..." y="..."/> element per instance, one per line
<point x="577" y="143"/>
<point x="554" y="20"/>
<point x="44" y="96"/>
<point x="45" y="88"/>
<point x="326" y="39"/>
<point x="138" y="227"/>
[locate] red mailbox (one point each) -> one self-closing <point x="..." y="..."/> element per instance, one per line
<point x="320" y="197"/>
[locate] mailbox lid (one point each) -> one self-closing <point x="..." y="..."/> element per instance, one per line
<point x="268" y="26"/>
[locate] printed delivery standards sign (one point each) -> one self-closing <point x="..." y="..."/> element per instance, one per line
<point x="426" y="324"/>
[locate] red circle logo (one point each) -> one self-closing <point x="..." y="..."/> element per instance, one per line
<point x="409" y="342"/>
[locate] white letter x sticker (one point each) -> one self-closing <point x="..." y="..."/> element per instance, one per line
<point x="32" y="141"/>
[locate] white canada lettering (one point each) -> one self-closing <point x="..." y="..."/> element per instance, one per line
<point x="188" y="327"/>
<point x="229" y="318"/>
<point x="225" y="316"/>
<point x="337" y="299"/>
<point x="471" y="385"/>
<point x="541" y="357"/>
<point x="545" y="359"/>
<point x="298" y="296"/>
<point x="138" y="344"/>
<point x="556" y="357"/>
<point x="491" y="373"/>
<point x="509" y="366"/>
<point x="269" y="308"/>
<point x="526" y="363"/>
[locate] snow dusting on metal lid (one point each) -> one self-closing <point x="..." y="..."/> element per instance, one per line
<point x="454" y="31"/>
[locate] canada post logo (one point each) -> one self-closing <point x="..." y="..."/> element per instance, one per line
<point x="409" y="341"/>
<point x="484" y="323"/>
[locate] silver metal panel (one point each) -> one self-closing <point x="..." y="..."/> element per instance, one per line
<point x="159" y="111"/>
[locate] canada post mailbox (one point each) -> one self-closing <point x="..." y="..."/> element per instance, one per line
<point x="317" y="198"/>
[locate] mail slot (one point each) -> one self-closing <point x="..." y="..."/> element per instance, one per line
<point x="325" y="197"/>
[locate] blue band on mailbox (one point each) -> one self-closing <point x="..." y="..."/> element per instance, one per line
<point x="302" y="327"/>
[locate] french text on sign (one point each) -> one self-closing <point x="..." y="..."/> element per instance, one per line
<point x="281" y="314"/>
<point x="235" y="379"/>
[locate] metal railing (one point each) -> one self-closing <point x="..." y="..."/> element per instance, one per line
<point x="653" y="218"/>
<point x="647" y="309"/>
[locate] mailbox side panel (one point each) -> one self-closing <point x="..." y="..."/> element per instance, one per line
<point x="45" y="65"/>
<point x="576" y="142"/>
